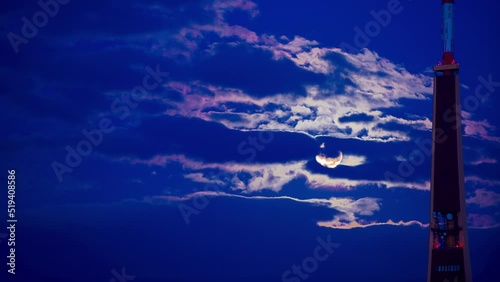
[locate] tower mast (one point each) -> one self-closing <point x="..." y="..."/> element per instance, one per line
<point x="448" y="240"/>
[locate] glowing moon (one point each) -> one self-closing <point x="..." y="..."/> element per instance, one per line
<point x="325" y="161"/>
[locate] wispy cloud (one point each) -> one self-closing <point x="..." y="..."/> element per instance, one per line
<point x="363" y="82"/>
<point x="481" y="221"/>
<point x="338" y="223"/>
<point x="363" y="206"/>
<point x="274" y="176"/>
<point x="350" y="209"/>
<point x="199" y="177"/>
<point x="317" y="114"/>
<point x="484" y="198"/>
<point x="480" y="130"/>
<point x="482" y="180"/>
<point x="484" y="160"/>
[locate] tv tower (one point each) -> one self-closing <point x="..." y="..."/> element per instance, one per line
<point x="448" y="242"/>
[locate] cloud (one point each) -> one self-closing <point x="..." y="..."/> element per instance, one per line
<point x="222" y="7"/>
<point x="484" y="198"/>
<point x="465" y="114"/>
<point x="319" y="112"/>
<point x="479" y="221"/>
<point x="301" y="51"/>
<point x="482" y="180"/>
<point x="348" y="219"/>
<point x="400" y="158"/>
<point x="371" y="82"/>
<point x="354" y="84"/>
<point x="483" y="160"/>
<point x="337" y="223"/>
<point x="199" y="177"/>
<point x="364" y="206"/>
<point x="353" y="160"/>
<point x="348" y="85"/>
<point x="273" y="176"/>
<point x="479" y="129"/>
<point x="308" y="88"/>
<point x="301" y="110"/>
<point x="229" y="145"/>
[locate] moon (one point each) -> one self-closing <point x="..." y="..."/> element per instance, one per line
<point x="328" y="162"/>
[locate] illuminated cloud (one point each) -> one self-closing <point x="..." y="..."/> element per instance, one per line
<point x="300" y="116"/>
<point x="338" y="223"/>
<point x="348" y="219"/>
<point x="483" y="160"/>
<point x="275" y="175"/>
<point x="301" y="110"/>
<point x="353" y="160"/>
<point x="364" y="206"/>
<point x="381" y="84"/>
<point x="479" y="129"/>
<point x="199" y="177"/>
<point x="465" y="114"/>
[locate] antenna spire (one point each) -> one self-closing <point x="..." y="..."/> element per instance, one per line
<point x="448" y="31"/>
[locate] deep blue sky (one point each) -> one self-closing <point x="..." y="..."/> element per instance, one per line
<point x="178" y="140"/>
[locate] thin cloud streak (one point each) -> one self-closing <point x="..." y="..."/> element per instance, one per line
<point x="337" y="224"/>
<point x="350" y="208"/>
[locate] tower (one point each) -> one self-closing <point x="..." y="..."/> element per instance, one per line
<point x="448" y="240"/>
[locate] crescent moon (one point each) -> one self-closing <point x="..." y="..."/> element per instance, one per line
<point x="329" y="162"/>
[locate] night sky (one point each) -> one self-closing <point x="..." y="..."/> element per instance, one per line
<point x="234" y="140"/>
